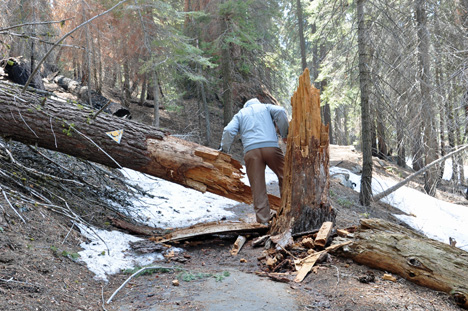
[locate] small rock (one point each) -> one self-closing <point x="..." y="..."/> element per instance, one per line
<point x="175" y="282"/>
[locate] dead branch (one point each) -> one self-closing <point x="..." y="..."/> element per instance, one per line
<point x="413" y="176"/>
<point x="25" y="36"/>
<point x="133" y="275"/>
<point x="11" y="206"/>
<point x="36" y="23"/>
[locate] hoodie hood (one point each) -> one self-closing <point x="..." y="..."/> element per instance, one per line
<point x="251" y="102"/>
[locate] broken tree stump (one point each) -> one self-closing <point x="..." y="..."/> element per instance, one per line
<point x="306" y="182"/>
<point x="383" y="245"/>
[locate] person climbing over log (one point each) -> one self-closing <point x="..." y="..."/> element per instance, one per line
<point x="255" y="123"/>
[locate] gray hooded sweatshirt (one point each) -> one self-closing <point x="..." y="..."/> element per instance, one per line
<point x="255" y="123"/>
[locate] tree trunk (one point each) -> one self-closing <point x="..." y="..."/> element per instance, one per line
<point x="73" y="130"/>
<point x="226" y="72"/>
<point x="428" y="112"/>
<point x="126" y="83"/>
<point x="401" y="154"/>
<point x="422" y="170"/>
<point x="366" y="177"/>
<point x="300" y="21"/>
<point x="306" y="181"/>
<point x="206" y="112"/>
<point x="393" y="248"/>
<point x="381" y="137"/>
<point x="88" y="55"/>
<point x="143" y="89"/>
<point x="154" y="76"/>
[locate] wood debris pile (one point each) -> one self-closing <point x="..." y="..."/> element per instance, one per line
<point x="300" y="255"/>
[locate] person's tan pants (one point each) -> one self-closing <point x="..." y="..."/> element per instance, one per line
<point x="255" y="162"/>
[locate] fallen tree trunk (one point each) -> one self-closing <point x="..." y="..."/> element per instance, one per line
<point x="429" y="263"/>
<point x="79" y="131"/>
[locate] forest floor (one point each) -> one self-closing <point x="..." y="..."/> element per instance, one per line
<point x="39" y="272"/>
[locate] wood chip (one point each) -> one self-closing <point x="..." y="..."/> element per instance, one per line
<point x="342" y="233"/>
<point x="308" y="243"/>
<point x="238" y="245"/>
<point x="270" y="262"/>
<point x="324" y="234"/>
<point x="389" y="277"/>
<point x="260" y="241"/>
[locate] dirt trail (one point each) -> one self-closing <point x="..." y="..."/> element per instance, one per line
<point x="239" y="291"/>
<point x="334" y="285"/>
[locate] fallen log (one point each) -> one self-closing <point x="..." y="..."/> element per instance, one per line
<point x="429" y="263"/>
<point x="76" y="130"/>
<point x="207" y="229"/>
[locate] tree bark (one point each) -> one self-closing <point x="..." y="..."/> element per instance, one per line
<point x="226" y="71"/>
<point x="431" y="177"/>
<point x="300" y="22"/>
<point x="366" y="177"/>
<point x="77" y="131"/>
<point x="306" y="181"/>
<point x="393" y="248"/>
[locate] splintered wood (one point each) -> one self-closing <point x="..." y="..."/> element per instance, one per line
<point x="305" y="265"/>
<point x="306" y="181"/>
<point x="238" y="245"/>
<point x="323" y="234"/>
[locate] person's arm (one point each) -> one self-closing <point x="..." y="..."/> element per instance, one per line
<point x="279" y="116"/>
<point x="229" y="133"/>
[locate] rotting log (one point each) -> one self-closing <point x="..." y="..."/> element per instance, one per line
<point x="306" y="181"/>
<point x="75" y="130"/>
<point x="383" y="245"/>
